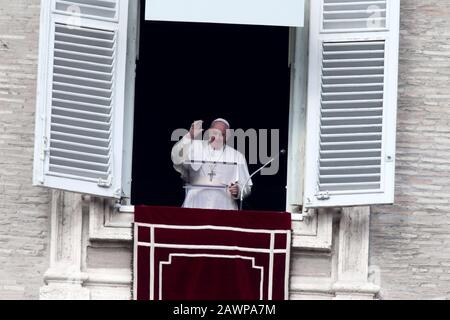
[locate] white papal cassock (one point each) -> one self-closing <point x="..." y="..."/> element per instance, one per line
<point x="204" y="170"/>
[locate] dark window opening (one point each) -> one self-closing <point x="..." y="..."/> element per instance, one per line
<point x="190" y="71"/>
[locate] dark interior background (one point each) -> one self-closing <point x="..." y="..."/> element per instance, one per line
<point x="192" y="71"/>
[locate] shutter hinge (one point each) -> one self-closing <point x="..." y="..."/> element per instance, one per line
<point x="45" y="149"/>
<point x="118" y="193"/>
<point x="102" y="183"/>
<point x="322" y="196"/>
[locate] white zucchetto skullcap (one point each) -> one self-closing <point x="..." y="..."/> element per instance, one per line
<point x="223" y="121"/>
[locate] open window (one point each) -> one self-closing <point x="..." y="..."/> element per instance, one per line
<point x="86" y="102"/>
<point x="192" y="71"/>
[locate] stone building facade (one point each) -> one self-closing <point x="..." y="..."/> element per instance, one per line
<point x="410" y="241"/>
<point x="24" y="218"/>
<point x="61" y="245"/>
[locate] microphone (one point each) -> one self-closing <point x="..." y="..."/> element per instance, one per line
<point x="241" y="196"/>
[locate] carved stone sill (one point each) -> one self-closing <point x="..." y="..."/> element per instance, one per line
<point x="325" y="287"/>
<point x="60" y="275"/>
<point x="109" y="277"/>
<point x="106" y="223"/>
<point x="307" y="285"/>
<point x="349" y="287"/>
<point x="314" y="232"/>
<point x="64" y="292"/>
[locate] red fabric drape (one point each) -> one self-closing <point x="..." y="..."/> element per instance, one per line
<point x="193" y="254"/>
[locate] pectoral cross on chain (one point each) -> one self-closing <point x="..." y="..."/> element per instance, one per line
<point x="212" y="174"/>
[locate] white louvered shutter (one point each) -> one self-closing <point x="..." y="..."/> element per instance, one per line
<point x="352" y="103"/>
<point x="96" y="9"/>
<point x="351" y="15"/>
<point x="81" y="96"/>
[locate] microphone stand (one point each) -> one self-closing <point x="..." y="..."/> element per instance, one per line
<point x="241" y="196"/>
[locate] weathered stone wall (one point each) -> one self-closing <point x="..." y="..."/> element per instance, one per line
<point x="410" y="241"/>
<point x="24" y="209"/>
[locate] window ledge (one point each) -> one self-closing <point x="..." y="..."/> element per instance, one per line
<point x="130" y="209"/>
<point x="126" y="209"/>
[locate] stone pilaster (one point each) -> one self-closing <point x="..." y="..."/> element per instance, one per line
<point x="353" y="256"/>
<point x="65" y="278"/>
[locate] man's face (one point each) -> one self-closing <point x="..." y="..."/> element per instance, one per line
<point x="218" y="134"/>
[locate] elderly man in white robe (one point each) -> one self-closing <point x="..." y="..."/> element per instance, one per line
<point x="215" y="173"/>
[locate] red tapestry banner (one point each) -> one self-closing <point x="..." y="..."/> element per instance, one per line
<point x="194" y="254"/>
